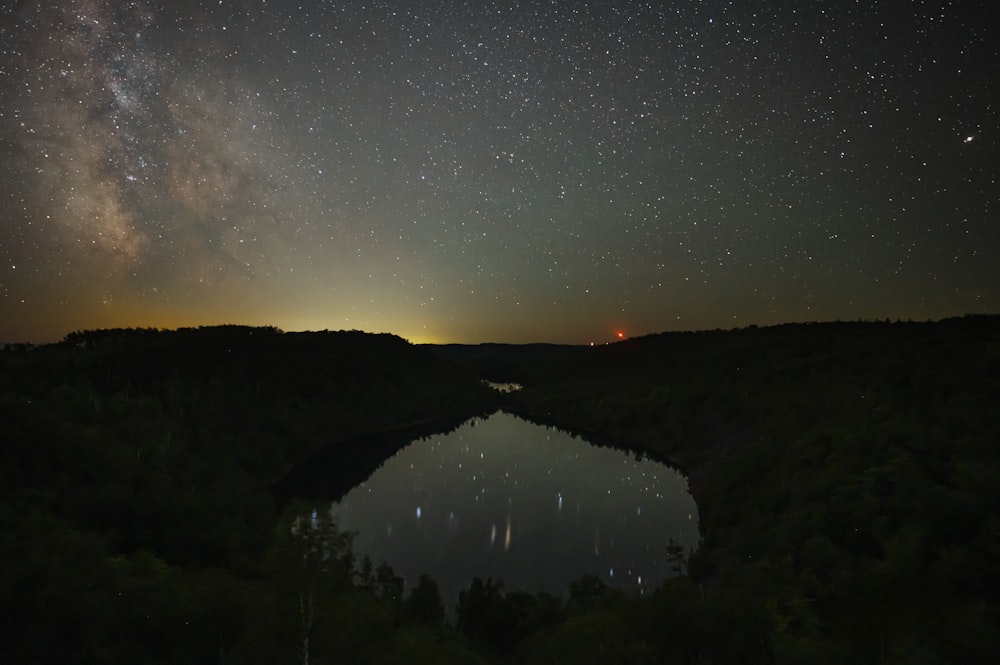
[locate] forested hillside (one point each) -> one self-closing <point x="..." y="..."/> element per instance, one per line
<point x="847" y="474"/>
<point x="135" y="468"/>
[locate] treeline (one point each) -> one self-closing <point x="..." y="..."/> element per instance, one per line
<point x="507" y="362"/>
<point x="136" y="469"/>
<point x="847" y="474"/>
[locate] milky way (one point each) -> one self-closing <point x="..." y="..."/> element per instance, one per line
<point x="455" y="171"/>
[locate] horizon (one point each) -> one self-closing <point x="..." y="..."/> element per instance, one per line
<point x="614" y="337"/>
<point x="501" y="172"/>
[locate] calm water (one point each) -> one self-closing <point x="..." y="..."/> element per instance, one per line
<point x="506" y="498"/>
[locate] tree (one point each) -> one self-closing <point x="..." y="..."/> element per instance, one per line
<point x="389" y="583"/>
<point x="588" y="593"/>
<point x="676" y="557"/>
<point x="424" y="603"/>
<point x="483" y="615"/>
<point x="366" y="576"/>
<point x="312" y="563"/>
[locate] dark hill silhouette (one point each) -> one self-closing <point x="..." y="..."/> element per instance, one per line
<point x="207" y="416"/>
<point x="846" y="473"/>
<point x="847" y="476"/>
<point x="503" y="362"/>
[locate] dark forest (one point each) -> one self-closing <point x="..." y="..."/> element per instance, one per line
<point x="846" y="474"/>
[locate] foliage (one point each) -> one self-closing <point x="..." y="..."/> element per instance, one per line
<point x="844" y="474"/>
<point x="847" y="477"/>
<point x="135" y="468"/>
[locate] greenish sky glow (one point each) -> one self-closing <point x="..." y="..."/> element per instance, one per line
<point x="496" y="171"/>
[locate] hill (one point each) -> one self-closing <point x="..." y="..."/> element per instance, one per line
<point x="135" y="474"/>
<point x="847" y="474"/>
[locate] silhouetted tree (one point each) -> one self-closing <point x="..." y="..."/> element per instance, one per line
<point x="390" y="584"/>
<point x="424" y="603"/>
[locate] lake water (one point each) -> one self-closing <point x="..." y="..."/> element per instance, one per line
<point x="506" y="498"/>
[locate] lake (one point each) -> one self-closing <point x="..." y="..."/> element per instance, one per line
<point x="502" y="497"/>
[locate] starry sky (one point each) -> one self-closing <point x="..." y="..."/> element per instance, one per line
<point x="495" y="171"/>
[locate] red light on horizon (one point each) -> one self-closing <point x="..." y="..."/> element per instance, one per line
<point x="621" y="334"/>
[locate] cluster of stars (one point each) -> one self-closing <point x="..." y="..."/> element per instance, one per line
<point x="494" y="171"/>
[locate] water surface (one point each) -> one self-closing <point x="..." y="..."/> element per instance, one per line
<point x="506" y="498"/>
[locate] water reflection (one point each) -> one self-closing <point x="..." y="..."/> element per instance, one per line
<point x="506" y="498"/>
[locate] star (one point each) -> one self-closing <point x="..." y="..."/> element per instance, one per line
<point x="313" y="167"/>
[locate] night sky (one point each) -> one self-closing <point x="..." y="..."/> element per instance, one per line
<point x="495" y="171"/>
